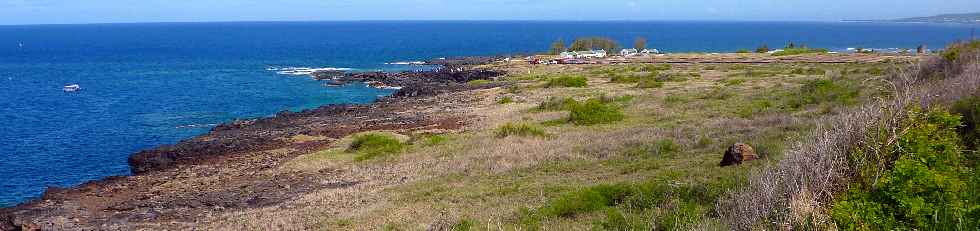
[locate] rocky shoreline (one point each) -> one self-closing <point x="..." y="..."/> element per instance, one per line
<point x="230" y="167"/>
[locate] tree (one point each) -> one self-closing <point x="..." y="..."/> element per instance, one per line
<point x="791" y="45"/>
<point x="557" y="47"/>
<point x="594" y="43"/>
<point x="762" y="49"/>
<point x="640" y="43"/>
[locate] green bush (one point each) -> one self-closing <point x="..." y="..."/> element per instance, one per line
<point x="568" y="81"/>
<point x="523" y="130"/>
<point x="505" y="100"/>
<point x="586" y="200"/>
<point x="799" y="51"/>
<point x="808" y="71"/>
<point x="628" y="78"/>
<point x="435" y="140"/>
<point x="825" y="90"/>
<point x="953" y="53"/>
<point x="969" y="109"/>
<point x="616" y="220"/>
<point x="927" y="188"/>
<point x="557" y="104"/>
<point x="370" y="146"/>
<point x="743" y="51"/>
<point x="478" y="82"/>
<point x="655" y="67"/>
<point x="463" y="225"/>
<point x="593" y="112"/>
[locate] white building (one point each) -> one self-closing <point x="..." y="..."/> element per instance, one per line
<point x="583" y="54"/>
<point x="628" y="52"/>
<point x="650" y="51"/>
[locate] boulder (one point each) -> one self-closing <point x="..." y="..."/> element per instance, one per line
<point x="738" y="153"/>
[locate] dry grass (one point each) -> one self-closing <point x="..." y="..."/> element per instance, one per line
<point x="797" y="190"/>
<point x="475" y="176"/>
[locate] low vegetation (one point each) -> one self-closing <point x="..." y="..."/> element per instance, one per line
<point x="899" y="162"/>
<point x="374" y="145"/>
<point x="930" y="186"/>
<point x="593" y="112"/>
<point x="799" y="51"/>
<point x="522" y="130"/>
<point x="568" y="81"/>
<point x="641" y="151"/>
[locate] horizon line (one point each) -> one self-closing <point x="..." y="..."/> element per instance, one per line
<point x="424" y="20"/>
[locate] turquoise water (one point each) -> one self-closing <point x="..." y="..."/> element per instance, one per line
<point x="151" y="84"/>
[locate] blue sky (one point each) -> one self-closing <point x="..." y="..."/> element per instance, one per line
<point x="112" y="11"/>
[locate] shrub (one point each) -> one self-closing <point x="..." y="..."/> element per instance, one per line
<point x="954" y="52"/>
<point x="673" y="77"/>
<point x="969" y="109"/>
<point x="734" y="82"/>
<point x="557" y="104"/>
<point x="616" y="220"/>
<point x="505" y="100"/>
<point x="435" y="140"/>
<point x="463" y="225"/>
<point x="655" y="67"/>
<point x="650" y="83"/>
<point x="586" y="200"/>
<point x="369" y="146"/>
<point x="478" y="82"/>
<point x="568" y="81"/>
<point x="923" y="190"/>
<point x="594" y="112"/>
<point x="618" y="100"/>
<point x="523" y="130"/>
<point x="629" y="78"/>
<point x="799" y="51"/>
<point x="808" y="71"/>
<point x="825" y="90"/>
<point x="743" y="51"/>
<point x="762" y="49"/>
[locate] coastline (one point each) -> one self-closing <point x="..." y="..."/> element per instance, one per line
<point x="218" y="170"/>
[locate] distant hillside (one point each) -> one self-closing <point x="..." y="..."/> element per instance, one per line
<point x="945" y="18"/>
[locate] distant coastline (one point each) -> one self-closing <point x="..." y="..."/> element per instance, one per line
<point x="967" y="18"/>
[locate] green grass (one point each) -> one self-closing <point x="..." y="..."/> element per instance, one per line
<point x="800" y="51"/>
<point x="594" y="112"/>
<point x="370" y="146"/>
<point x="568" y="81"/>
<point x="808" y="71"/>
<point x="463" y="225"/>
<point x="557" y="104"/>
<point x="824" y="91"/>
<point x="505" y="100"/>
<point x="478" y="82"/>
<point x="522" y="130"/>
<point x="434" y="140"/>
<point x="655" y="67"/>
<point x="733" y="82"/>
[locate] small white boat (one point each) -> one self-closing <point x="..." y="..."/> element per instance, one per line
<point x="72" y="88"/>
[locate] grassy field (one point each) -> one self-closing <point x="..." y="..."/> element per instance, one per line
<point x="582" y="147"/>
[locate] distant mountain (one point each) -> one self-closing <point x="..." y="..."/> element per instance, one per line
<point x="972" y="18"/>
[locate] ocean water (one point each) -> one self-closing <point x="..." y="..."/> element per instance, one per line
<point x="145" y="85"/>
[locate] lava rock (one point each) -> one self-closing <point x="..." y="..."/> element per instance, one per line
<point x="738" y="153"/>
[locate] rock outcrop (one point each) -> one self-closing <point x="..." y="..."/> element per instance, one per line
<point x="737" y="154"/>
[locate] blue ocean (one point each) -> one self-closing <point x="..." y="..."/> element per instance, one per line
<point x="145" y="85"/>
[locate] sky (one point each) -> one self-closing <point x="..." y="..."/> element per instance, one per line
<point x="15" y="12"/>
